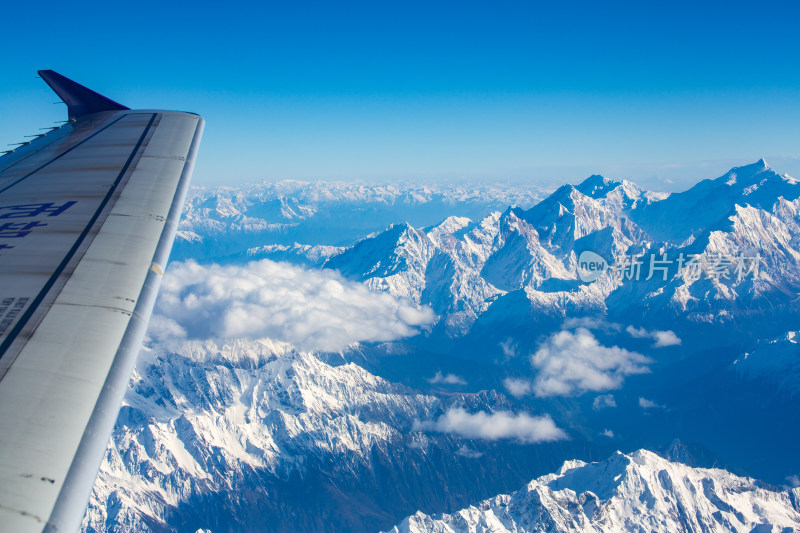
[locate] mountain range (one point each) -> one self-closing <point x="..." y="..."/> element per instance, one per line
<point x="511" y="366"/>
<point x="640" y="491"/>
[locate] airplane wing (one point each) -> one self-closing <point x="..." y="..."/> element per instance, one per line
<point x="88" y="213"/>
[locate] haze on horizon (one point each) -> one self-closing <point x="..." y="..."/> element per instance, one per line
<point x="451" y="91"/>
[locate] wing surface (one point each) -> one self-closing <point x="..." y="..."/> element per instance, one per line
<point x="88" y="213"/>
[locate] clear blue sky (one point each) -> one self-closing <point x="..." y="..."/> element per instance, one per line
<point x="387" y="90"/>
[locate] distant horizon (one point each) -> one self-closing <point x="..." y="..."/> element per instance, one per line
<point x="652" y="184"/>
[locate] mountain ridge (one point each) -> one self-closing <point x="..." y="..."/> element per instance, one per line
<point x="627" y="492"/>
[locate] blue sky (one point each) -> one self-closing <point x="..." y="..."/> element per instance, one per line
<point x="663" y="93"/>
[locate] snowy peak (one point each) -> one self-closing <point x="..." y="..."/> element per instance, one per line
<point x="627" y="492"/>
<point x="617" y="195"/>
<point x="383" y="254"/>
<point x="597" y="186"/>
<point x="572" y="213"/>
<point x="745" y="175"/>
<point x="746" y="180"/>
<point x="684" y="215"/>
<point x="775" y="362"/>
<point x="519" y="259"/>
<point x="448" y="228"/>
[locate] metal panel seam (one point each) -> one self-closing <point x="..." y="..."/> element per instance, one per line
<point x="74" y="495"/>
<point x="59" y="156"/>
<point x="23" y="321"/>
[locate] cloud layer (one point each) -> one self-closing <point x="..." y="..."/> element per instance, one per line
<point x="662" y="338"/>
<point x="574" y="362"/>
<point x="604" y="401"/>
<point x="644" y="403"/>
<point x="446" y="379"/>
<point x="314" y="310"/>
<point x="518" y="387"/>
<point x="493" y="426"/>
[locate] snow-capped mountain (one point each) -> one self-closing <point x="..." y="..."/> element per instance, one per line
<point x="523" y="263"/>
<point x="627" y="492"/>
<point x="459" y="267"/>
<point x="198" y="425"/>
<point x="501" y="361"/>
<point x="223" y="221"/>
<point x="229" y="437"/>
<point x="574" y="212"/>
<point x="525" y="258"/>
<point x="775" y="362"/>
<point x="683" y="215"/>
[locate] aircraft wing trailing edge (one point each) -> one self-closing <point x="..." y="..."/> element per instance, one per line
<point x="88" y="213"/>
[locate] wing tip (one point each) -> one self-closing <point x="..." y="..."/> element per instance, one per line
<point x="80" y="100"/>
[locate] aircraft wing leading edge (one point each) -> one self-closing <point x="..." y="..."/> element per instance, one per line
<point x="88" y="214"/>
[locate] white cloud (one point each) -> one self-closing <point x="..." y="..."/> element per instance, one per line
<point x="574" y="362"/>
<point x="312" y="309"/>
<point x="509" y="348"/>
<point x="468" y="452"/>
<point x="666" y="338"/>
<point x="518" y="387"/>
<point x="793" y="480"/>
<point x="493" y="426"/>
<point x="644" y="403"/>
<point x="662" y="338"/>
<point x="608" y="433"/>
<point x="591" y="323"/>
<point x="604" y="401"/>
<point x="637" y="333"/>
<point x="447" y="379"/>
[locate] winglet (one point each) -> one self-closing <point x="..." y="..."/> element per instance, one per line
<point x="80" y="100"/>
